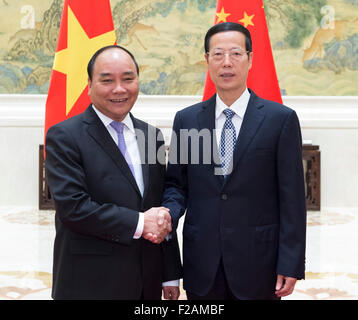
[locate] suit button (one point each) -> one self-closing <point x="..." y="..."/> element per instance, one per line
<point x="224" y="196"/>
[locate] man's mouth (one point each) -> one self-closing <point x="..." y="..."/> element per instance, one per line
<point x="227" y="75"/>
<point x="118" y="100"/>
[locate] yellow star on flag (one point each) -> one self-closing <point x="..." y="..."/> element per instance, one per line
<point x="222" y="16"/>
<point x="247" y="20"/>
<point x="73" y="60"/>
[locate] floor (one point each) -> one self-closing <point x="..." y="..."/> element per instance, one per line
<point x="26" y="240"/>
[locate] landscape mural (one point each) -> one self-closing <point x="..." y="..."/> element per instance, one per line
<point x="315" y="44"/>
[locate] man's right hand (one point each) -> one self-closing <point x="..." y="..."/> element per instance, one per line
<point x="157" y="224"/>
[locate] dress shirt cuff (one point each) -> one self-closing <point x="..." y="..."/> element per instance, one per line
<point x="140" y="225"/>
<point x="171" y="283"/>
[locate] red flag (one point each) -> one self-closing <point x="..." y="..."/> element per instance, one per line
<point x="86" y="26"/>
<point x="262" y="78"/>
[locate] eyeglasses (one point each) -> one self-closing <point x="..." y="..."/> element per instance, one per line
<point x="235" y="54"/>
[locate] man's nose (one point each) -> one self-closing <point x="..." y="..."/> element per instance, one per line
<point x="227" y="59"/>
<point x="118" y="88"/>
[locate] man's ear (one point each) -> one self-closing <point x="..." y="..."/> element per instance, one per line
<point x="251" y="57"/>
<point x="206" y="57"/>
<point x="89" y="85"/>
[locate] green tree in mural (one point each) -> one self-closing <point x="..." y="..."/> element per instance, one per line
<point x="299" y="16"/>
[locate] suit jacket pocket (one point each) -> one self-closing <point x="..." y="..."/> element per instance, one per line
<point x="93" y="247"/>
<point x="266" y="233"/>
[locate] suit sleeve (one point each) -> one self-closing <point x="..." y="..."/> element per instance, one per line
<point x="172" y="266"/>
<point x="175" y="193"/>
<point x="292" y="237"/>
<point x="171" y="258"/>
<point x="74" y="206"/>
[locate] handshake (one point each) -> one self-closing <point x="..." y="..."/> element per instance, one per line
<point x="157" y="224"/>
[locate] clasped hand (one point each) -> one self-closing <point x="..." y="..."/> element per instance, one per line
<point x="157" y="224"/>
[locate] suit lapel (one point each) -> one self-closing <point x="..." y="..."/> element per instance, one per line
<point x="206" y="120"/>
<point x="99" y="133"/>
<point x="252" y="121"/>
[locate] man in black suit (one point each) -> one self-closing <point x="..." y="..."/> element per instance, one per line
<point x="235" y="167"/>
<point x="107" y="192"/>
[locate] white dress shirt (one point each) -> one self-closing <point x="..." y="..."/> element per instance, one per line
<point x="133" y="150"/>
<point x="239" y="107"/>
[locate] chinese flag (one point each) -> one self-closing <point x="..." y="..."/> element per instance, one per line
<point x="262" y="78"/>
<point x="86" y="26"/>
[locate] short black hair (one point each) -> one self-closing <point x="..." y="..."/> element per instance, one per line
<point x="92" y="61"/>
<point x="228" y="26"/>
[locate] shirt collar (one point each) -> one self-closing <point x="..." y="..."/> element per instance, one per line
<point x="239" y="106"/>
<point x="107" y="121"/>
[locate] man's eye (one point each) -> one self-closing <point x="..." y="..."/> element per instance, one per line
<point x="107" y="80"/>
<point x="218" y="54"/>
<point x="236" y="54"/>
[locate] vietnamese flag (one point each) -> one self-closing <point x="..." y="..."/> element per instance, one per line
<point x="262" y="78"/>
<point x="86" y="26"/>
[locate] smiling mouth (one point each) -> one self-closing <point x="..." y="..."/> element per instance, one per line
<point x="118" y="100"/>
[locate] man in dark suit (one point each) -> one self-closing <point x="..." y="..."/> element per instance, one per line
<point x="235" y="167"/>
<point x="104" y="186"/>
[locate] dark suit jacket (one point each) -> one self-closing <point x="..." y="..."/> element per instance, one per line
<point x="255" y="221"/>
<point x="97" y="209"/>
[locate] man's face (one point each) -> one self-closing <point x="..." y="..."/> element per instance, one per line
<point x="115" y="85"/>
<point x="229" y="73"/>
